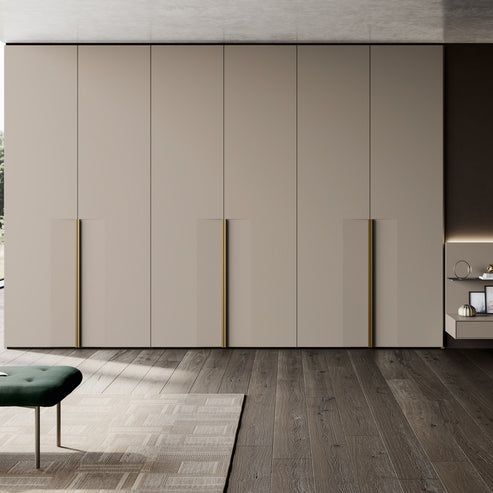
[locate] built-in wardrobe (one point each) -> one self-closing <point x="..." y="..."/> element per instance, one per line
<point x="238" y="195"/>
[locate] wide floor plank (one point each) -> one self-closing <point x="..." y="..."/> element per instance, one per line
<point x="238" y="372"/>
<point x="251" y="469"/>
<point x="101" y="379"/>
<point x="329" y="449"/>
<point x="460" y="479"/>
<point x="160" y="372"/>
<point x="370" y="459"/>
<point x="8" y="356"/>
<point x="76" y="357"/>
<point x="475" y="444"/>
<point x="469" y="384"/>
<point x="371" y="465"/>
<point x="408" y="457"/>
<point x="185" y="374"/>
<point x="92" y="364"/>
<point x="482" y="358"/>
<point x="134" y="372"/>
<point x="210" y="376"/>
<point x="257" y="425"/>
<point x="31" y="357"/>
<point x="293" y="475"/>
<point x="252" y="466"/>
<point x="429" y="421"/>
<point x="291" y="437"/>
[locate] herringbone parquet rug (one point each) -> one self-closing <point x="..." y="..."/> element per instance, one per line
<point x="154" y="443"/>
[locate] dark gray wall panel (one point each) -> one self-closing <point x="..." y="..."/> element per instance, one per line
<point x="469" y="142"/>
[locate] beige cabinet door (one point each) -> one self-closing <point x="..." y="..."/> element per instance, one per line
<point x="114" y="201"/>
<point x="41" y="195"/>
<point x="407" y="194"/>
<point x="260" y="193"/>
<point x="187" y="195"/>
<point x="333" y="195"/>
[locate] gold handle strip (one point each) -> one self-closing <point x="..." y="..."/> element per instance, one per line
<point x="224" y="341"/>
<point x="77" y="283"/>
<point x="371" y="336"/>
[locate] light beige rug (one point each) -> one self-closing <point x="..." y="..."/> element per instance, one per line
<point x="155" y="443"/>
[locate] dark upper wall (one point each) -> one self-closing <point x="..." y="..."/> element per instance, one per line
<point x="469" y="142"/>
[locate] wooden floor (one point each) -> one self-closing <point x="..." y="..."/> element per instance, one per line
<point x="325" y="420"/>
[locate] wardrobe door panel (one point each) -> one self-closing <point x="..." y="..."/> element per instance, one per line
<point x="187" y="195"/>
<point x="333" y="195"/>
<point x="407" y="194"/>
<point x="260" y="193"/>
<point x="41" y="195"/>
<point x="114" y="187"/>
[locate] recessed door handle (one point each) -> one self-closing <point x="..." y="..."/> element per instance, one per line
<point x="224" y="317"/>
<point x="371" y="315"/>
<point x="78" y="338"/>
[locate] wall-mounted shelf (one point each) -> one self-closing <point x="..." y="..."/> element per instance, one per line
<point x="478" y="327"/>
<point x="469" y="279"/>
<point x="466" y="330"/>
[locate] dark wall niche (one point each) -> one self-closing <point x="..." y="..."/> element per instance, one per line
<point x="469" y="142"/>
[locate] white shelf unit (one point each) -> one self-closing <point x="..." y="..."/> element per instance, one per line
<point x="478" y="327"/>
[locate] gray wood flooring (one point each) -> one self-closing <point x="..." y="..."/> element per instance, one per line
<point x="324" y="420"/>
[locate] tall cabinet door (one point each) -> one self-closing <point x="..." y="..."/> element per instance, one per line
<point x="114" y="203"/>
<point x="41" y="195"/>
<point x="187" y="195"/>
<point x="260" y="194"/>
<point x="407" y="194"/>
<point x="333" y="195"/>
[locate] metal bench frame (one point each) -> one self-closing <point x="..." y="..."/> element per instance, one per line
<point x="37" y="429"/>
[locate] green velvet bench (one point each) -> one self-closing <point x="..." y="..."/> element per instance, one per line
<point x="35" y="387"/>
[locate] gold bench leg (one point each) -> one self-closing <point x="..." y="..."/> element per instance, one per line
<point x="59" y="424"/>
<point x="36" y="437"/>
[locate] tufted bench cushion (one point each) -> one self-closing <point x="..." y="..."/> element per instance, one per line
<point x="32" y="386"/>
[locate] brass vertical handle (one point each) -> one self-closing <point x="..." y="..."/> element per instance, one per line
<point x="77" y="283"/>
<point x="224" y="341"/>
<point x="371" y="315"/>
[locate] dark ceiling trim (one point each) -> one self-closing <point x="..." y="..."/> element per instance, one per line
<point x="269" y="43"/>
<point x="209" y="43"/>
